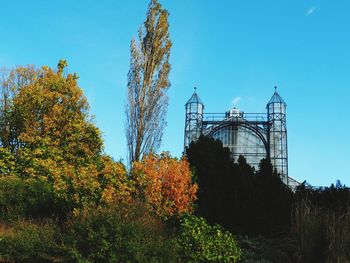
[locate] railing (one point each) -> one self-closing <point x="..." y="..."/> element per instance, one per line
<point x="217" y="117"/>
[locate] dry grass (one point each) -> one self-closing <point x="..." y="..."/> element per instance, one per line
<point x="321" y="235"/>
<point x="338" y="233"/>
<point x="5" y="228"/>
<point x="308" y="228"/>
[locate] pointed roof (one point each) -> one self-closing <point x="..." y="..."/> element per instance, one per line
<point x="194" y="98"/>
<point x="276" y="98"/>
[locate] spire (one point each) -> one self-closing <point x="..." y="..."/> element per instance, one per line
<point x="276" y="98"/>
<point x="194" y="98"/>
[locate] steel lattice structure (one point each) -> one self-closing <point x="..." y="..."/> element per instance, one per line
<point x="253" y="135"/>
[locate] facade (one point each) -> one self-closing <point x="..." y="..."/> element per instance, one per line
<point x="253" y="135"/>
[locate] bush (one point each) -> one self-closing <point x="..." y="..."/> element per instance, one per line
<point x="201" y="242"/>
<point x="30" y="242"/>
<point x="267" y="250"/>
<point x="117" y="234"/>
<point x="165" y="183"/>
<point x="23" y="198"/>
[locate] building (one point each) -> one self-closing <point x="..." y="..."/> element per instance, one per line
<point x="253" y="135"/>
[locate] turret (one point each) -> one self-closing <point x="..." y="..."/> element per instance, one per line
<point x="277" y="135"/>
<point x="194" y="117"/>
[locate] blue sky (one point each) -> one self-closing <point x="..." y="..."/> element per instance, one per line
<point x="234" y="51"/>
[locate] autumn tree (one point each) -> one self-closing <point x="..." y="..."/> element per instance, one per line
<point x="147" y="84"/>
<point x="48" y="134"/>
<point x="166" y="184"/>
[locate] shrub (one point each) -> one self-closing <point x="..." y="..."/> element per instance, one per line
<point x="166" y="184"/>
<point x="201" y="242"/>
<point x="30" y="242"/>
<point x="26" y="198"/>
<point x="117" y="234"/>
<point x="266" y="250"/>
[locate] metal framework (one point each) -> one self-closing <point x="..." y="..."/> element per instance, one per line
<point x="253" y="135"/>
<point x="194" y="118"/>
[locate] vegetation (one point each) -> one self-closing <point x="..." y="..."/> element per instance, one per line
<point x="277" y="225"/>
<point x="148" y="82"/>
<point x="63" y="200"/>
<point x="201" y="242"/>
<point x="165" y="184"/>
<point x="234" y="195"/>
<point x="27" y="198"/>
<point x="118" y="234"/>
<point x="28" y="241"/>
<point x="96" y="234"/>
<point x="320" y="223"/>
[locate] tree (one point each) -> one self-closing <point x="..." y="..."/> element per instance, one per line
<point x="47" y="133"/>
<point x="234" y="195"/>
<point x="213" y="166"/>
<point x="12" y="81"/>
<point x="166" y="184"/>
<point x="272" y="200"/>
<point x="147" y="84"/>
<point x="53" y="130"/>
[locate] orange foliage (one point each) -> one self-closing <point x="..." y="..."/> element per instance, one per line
<point x="166" y="184"/>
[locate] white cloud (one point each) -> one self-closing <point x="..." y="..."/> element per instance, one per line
<point x="236" y="100"/>
<point x="310" y="11"/>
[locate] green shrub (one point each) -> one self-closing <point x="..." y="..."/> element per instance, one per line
<point x="23" y="198"/>
<point x="267" y="250"/>
<point x="201" y="242"/>
<point x="117" y="234"/>
<point x="30" y="242"/>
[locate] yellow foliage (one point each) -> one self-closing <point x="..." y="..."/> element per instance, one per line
<point x="52" y="137"/>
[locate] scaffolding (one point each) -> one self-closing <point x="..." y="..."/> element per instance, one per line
<point x="252" y="135"/>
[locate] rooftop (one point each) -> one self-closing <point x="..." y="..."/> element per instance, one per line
<point x="194" y="98"/>
<point x="276" y="98"/>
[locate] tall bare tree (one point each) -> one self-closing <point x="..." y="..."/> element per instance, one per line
<point x="148" y="82"/>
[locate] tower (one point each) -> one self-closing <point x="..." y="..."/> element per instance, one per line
<point x="277" y="134"/>
<point x="194" y="117"/>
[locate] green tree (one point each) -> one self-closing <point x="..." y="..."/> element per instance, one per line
<point x="7" y="162"/>
<point x="11" y="82"/>
<point x="234" y="195"/>
<point x="272" y="200"/>
<point x="27" y="198"/>
<point x="147" y="84"/>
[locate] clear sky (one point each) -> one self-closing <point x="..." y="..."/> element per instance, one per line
<point x="234" y="51"/>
